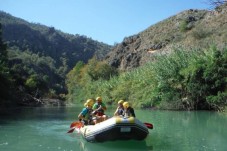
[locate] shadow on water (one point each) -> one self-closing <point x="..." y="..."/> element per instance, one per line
<point x="130" y="145"/>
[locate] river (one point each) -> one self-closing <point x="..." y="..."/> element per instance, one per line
<point x="45" y="129"/>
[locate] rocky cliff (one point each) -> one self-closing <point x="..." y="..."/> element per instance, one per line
<point x="188" y="29"/>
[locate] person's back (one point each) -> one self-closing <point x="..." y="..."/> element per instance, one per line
<point x="86" y="114"/>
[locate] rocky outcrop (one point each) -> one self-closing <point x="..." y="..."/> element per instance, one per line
<point x="43" y="102"/>
<point x="188" y="29"/>
<point x="125" y="55"/>
<point x="29" y="100"/>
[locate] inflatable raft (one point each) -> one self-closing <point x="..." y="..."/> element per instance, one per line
<point x="115" y="128"/>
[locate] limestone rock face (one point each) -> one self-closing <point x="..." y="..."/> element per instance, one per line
<point x="188" y="29"/>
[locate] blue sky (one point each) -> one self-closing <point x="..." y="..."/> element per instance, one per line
<point x="108" y="21"/>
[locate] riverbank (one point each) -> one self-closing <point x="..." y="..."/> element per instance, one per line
<point x="43" y="102"/>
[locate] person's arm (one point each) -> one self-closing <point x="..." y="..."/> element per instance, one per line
<point x="116" y="112"/>
<point x="80" y="117"/>
<point x="94" y="108"/>
<point x="101" y="107"/>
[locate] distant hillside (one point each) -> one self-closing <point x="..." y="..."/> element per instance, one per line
<point x="48" y="41"/>
<point x="188" y="29"/>
<point x="39" y="57"/>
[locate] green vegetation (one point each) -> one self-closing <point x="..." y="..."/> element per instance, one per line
<point x="185" y="80"/>
<point x="81" y="78"/>
<point x="34" y="72"/>
<point x="4" y="71"/>
<point x="200" y="33"/>
<point x="35" y="60"/>
<point x="184" y="26"/>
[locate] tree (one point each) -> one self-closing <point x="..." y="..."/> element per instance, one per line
<point x="3" y="52"/>
<point x="4" y="69"/>
<point x="100" y="70"/>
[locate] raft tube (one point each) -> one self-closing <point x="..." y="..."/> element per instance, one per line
<point x="115" y="128"/>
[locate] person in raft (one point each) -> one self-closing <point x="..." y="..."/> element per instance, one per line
<point x="85" y="115"/>
<point x="120" y="109"/>
<point x="128" y="110"/>
<point x="99" y="111"/>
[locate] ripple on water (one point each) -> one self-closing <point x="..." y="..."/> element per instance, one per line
<point x="5" y="143"/>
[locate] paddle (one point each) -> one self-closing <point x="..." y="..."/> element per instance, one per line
<point x="71" y="130"/>
<point x="149" y="125"/>
<point x="75" y="125"/>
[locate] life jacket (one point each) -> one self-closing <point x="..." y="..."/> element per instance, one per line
<point x="120" y="111"/>
<point x="129" y="112"/>
<point x="87" y="115"/>
<point x="99" y="112"/>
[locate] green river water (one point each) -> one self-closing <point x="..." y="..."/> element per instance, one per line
<point x="45" y="129"/>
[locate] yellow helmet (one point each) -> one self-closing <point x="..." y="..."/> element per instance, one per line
<point x="99" y="99"/>
<point x="126" y="104"/>
<point x="90" y="101"/>
<point x="120" y="102"/>
<point x="86" y="104"/>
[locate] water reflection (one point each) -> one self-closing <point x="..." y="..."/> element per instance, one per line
<point x="130" y="145"/>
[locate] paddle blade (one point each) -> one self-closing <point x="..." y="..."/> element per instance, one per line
<point x="71" y="130"/>
<point x="149" y="125"/>
<point x="77" y="124"/>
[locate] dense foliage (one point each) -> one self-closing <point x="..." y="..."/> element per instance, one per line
<point x="4" y="71"/>
<point x="187" y="80"/>
<point x="80" y="80"/>
<point x="26" y="73"/>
